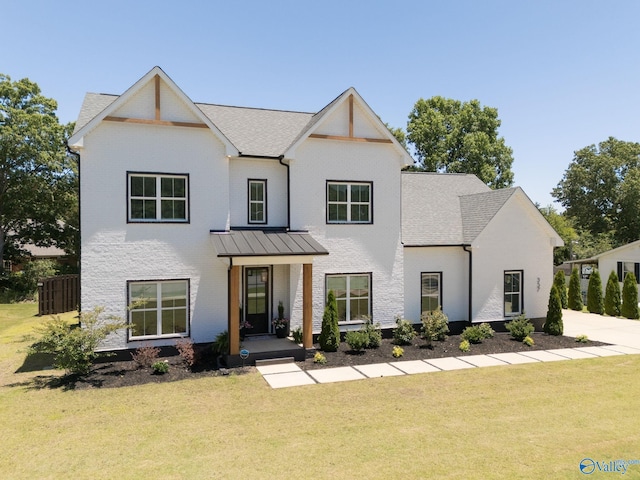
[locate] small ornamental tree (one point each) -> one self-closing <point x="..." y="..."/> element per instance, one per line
<point x="575" y="297"/>
<point x="629" y="307"/>
<point x="74" y="347"/>
<point x="612" y="295"/>
<point x="595" y="302"/>
<point x="329" y="338"/>
<point x="561" y="284"/>
<point x="553" y="325"/>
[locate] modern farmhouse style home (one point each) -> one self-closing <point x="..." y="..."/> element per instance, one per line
<point x="215" y="214"/>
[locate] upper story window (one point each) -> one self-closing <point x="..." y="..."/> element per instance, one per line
<point x="257" y="201"/>
<point x="158" y="197"/>
<point x="349" y="202"/>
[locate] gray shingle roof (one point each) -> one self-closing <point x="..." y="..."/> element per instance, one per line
<point x="258" y="243"/>
<point x="447" y="209"/>
<point x="92" y="105"/>
<point x="255" y="131"/>
<point x="480" y="208"/>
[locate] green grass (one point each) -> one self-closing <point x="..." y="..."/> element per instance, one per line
<point x="526" y="421"/>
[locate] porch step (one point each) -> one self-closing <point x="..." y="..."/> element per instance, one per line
<point x="274" y="361"/>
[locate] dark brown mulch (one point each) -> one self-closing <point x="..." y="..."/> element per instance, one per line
<point x="126" y="373"/>
<point x="418" y="350"/>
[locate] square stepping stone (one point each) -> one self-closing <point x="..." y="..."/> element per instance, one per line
<point x="338" y="374"/>
<point x="622" y="349"/>
<point x="482" y="360"/>
<point x="415" y="366"/>
<point x="288" y="379"/>
<point x="379" y="370"/>
<point x="543" y="355"/>
<point x="599" y="351"/>
<point x="449" y="363"/>
<point x="278" y="368"/>
<point x="513" y="358"/>
<point x="572" y="353"/>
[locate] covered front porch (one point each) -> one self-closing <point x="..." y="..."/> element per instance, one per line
<point x="255" y="260"/>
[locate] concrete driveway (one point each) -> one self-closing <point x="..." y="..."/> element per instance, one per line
<point x="617" y="331"/>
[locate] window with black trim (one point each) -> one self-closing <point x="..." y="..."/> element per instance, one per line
<point x="513" y="293"/>
<point x="353" y="295"/>
<point x="158" y="309"/>
<point x="430" y="291"/>
<point x="158" y="197"/>
<point x="257" y="201"/>
<point x="349" y="202"/>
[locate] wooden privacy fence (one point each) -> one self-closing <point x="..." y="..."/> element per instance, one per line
<point x="58" y="294"/>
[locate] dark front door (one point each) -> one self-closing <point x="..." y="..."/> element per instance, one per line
<point x="256" y="299"/>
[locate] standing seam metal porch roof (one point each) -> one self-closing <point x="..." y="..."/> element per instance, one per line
<point x="259" y="243"/>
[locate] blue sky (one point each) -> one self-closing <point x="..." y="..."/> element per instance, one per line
<point x="562" y="74"/>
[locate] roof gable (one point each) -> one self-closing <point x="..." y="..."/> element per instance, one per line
<point x="349" y="118"/>
<point x="154" y="100"/>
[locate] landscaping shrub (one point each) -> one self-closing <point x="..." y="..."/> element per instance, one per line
<point x="397" y="351"/>
<point x="553" y="324"/>
<point x="329" y="338"/>
<point x="575" y="297"/>
<point x="464" y="346"/>
<point x="221" y="343"/>
<point x="528" y="341"/>
<point x="435" y="326"/>
<point x="612" y="295"/>
<point x="520" y="327"/>
<point x="357" y="340"/>
<point x="186" y="351"/>
<point x="296" y="333"/>
<point x="404" y="333"/>
<point x="319" y="358"/>
<point x="560" y="282"/>
<point x="160" y="367"/>
<point x="595" y="301"/>
<point x="73" y="347"/>
<point x="582" y="339"/>
<point x="373" y="334"/>
<point x="477" y="333"/>
<point x="145" y="356"/>
<point x="23" y="285"/>
<point x="629" y="307"/>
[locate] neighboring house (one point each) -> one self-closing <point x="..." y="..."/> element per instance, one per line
<point x="621" y="260"/>
<point x="213" y="214"/>
<point x="34" y="252"/>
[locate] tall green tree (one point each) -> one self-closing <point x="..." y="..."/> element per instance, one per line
<point x="38" y="180"/>
<point x="575" y="295"/>
<point x="599" y="189"/>
<point x="563" y="226"/>
<point x="561" y="284"/>
<point x="595" y="301"/>
<point x="460" y="137"/>
<point x="329" y="338"/>
<point x="629" y="307"/>
<point x="612" y="295"/>
<point x="553" y="324"/>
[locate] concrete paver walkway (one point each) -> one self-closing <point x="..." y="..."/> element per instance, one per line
<point x="624" y="336"/>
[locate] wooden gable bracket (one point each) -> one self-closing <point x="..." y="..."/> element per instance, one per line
<point x="350" y="138"/>
<point x="157" y="120"/>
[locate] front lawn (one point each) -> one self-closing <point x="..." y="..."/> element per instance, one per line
<point x="526" y="421"/>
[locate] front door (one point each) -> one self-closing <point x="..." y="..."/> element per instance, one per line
<point x="256" y="299"/>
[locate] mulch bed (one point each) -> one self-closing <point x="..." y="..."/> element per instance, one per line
<point x="126" y="373"/>
<point x="418" y="350"/>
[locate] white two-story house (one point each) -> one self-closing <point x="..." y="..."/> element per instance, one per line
<point x="214" y="214"/>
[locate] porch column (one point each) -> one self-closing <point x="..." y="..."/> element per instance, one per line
<point x="307" y="309"/>
<point x="234" y="310"/>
